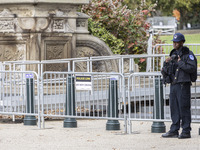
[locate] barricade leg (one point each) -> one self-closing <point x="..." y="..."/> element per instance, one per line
<point x="30" y="120"/>
<point x="158" y="127"/>
<point x="113" y="106"/>
<point x="130" y="126"/>
<point x="199" y="131"/>
<point x="70" y="103"/>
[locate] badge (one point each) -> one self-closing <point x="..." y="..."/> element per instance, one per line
<point x="191" y="57"/>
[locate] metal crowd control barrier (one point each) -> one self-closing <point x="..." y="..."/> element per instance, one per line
<point x="91" y="96"/>
<point x="19" y="65"/>
<point x="39" y="66"/>
<point x="145" y="100"/>
<point x="166" y="48"/>
<point x="51" y="89"/>
<point x="155" y="67"/>
<point x="140" y="91"/>
<point x="125" y="63"/>
<point x="16" y="97"/>
<point x="115" y="63"/>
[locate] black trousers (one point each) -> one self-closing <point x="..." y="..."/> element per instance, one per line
<point x="180" y="104"/>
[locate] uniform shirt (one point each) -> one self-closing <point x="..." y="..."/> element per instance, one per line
<point x="185" y="66"/>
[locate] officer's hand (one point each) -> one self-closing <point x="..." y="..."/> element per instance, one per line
<point x="179" y="58"/>
<point x="168" y="59"/>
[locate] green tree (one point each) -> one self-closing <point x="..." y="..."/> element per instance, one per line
<point x="127" y="25"/>
<point x="135" y="4"/>
<point x="116" y="45"/>
<point x="189" y="10"/>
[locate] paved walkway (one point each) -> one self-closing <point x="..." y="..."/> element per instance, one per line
<point x="91" y="135"/>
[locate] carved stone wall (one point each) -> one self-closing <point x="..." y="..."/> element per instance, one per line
<point x="88" y="46"/>
<point x="46" y="30"/>
<point x="56" y="48"/>
<point x="12" y="52"/>
<point x="41" y="30"/>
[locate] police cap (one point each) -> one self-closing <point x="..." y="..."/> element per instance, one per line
<point x="178" y="37"/>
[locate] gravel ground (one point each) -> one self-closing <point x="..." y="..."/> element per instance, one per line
<point x="90" y="135"/>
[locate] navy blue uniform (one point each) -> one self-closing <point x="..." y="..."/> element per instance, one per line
<point x="180" y="91"/>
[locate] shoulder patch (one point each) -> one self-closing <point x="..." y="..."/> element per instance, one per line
<point x="191" y="57"/>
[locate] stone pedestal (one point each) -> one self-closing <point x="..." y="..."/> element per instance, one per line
<point x="45" y="29"/>
<point x="40" y="30"/>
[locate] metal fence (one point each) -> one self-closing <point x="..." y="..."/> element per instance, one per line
<point x="148" y="98"/>
<point x="163" y="51"/>
<point x="19" y="94"/>
<point x="151" y="62"/>
<point x="137" y="95"/>
<point x="142" y="97"/>
<point x="93" y="103"/>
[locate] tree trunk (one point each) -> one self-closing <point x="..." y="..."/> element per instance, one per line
<point x="181" y="19"/>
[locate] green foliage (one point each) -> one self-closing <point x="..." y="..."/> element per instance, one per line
<point x="141" y="64"/>
<point x="127" y="25"/>
<point x="137" y="4"/>
<point x="116" y="45"/>
<point x="187" y="4"/>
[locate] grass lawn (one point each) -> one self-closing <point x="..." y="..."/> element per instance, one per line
<point x="190" y="38"/>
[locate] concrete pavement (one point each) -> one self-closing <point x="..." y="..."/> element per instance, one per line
<point x="90" y="135"/>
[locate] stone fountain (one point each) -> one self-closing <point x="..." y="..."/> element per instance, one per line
<point x="45" y="30"/>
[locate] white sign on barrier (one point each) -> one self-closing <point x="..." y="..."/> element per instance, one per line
<point x="83" y="83"/>
<point x="114" y="77"/>
<point x="29" y="75"/>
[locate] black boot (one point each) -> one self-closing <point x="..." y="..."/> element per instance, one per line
<point x="184" y="135"/>
<point x="170" y="135"/>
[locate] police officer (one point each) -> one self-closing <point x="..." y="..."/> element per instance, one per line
<point x="180" y="94"/>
